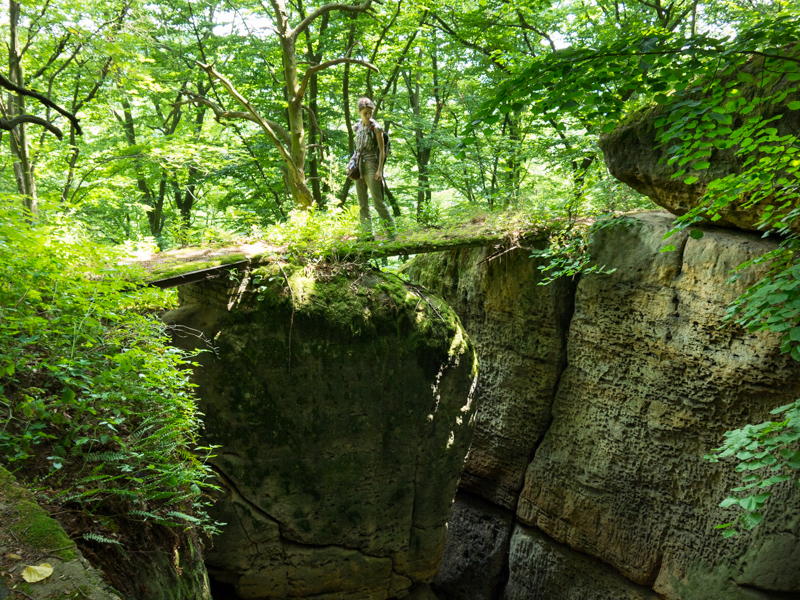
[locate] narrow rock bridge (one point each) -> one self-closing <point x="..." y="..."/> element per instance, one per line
<point x="189" y="265"/>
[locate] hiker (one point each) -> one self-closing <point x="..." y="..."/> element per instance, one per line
<point x="370" y="148"/>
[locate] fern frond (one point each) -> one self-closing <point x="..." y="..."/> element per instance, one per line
<point x="96" y="537"/>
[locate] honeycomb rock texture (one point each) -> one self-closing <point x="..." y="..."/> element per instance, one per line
<point x="651" y="385"/>
<point x="616" y="391"/>
<point x="542" y="568"/>
<point x="474" y="562"/>
<point x="519" y="330"/>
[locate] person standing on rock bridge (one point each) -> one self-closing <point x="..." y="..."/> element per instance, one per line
<point x="372" y="156"/>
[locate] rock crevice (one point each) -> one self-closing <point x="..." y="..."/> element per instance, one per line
<point x="616" y="500"/>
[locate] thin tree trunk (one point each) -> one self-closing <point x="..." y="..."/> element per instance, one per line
<point x="155" y="216"/>
<point x="348" y="119"/>
<point x="514" y="163"/>
<point x="23" y="169"/>
<point x="294" y="111"/>
<point x="314" y="58"/>
<point x="185" y="201"/>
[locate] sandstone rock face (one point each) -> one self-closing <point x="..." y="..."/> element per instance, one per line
<point x="542" y="568"/>
<point x="651" y="385"/>
<point x="519" y="330"/>
<point x="617" y="501"/>
<point x="634" y="156"/>
<point x="344" y="410"/>
<point x="475" y="555"/>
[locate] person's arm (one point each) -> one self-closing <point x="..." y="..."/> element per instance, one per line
<point x="381" y="153"/>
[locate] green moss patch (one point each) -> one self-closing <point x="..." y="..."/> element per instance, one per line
<point x="171" y="270"/>
<point x="29" y="523"/>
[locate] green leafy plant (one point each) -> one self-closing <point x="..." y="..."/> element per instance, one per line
<point x="768" y="454"/>
<point x="706" y="97"/>
<point x="568" y="250"/>
<point x="89" y="380"/>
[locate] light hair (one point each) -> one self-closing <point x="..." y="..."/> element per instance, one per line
<point x="365" y="102"/>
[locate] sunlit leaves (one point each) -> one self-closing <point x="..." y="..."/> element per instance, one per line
<point x="87" y="375"/>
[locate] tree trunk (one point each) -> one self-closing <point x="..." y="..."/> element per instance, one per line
<point x="23" y="169"/>
<point x="313" y="166"/>
<point x="514" y="163"/>
<point x="348" y="119"/>
<point x="155" y="216"/>
<point x="185" y="201"/>
<point x="297" y="175"/>
<point x="314" y="57"/>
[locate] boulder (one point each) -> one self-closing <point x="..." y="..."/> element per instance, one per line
<point x="653" y="380"/>
<point x="342" y="405"/>
<point x="519" y="330"/>
<point x="634" y="156"/>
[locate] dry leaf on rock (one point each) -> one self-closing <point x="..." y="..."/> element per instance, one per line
<point x="33" y="574"/>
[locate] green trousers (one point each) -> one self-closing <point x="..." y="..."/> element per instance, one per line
<point x="367" y="181"/>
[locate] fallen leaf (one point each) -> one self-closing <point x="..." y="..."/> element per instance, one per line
<point x="34" y="574"/>
<point x="14" y="557"/>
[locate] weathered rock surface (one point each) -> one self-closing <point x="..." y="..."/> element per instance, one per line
<point x="343" y="408"/>
<point x="474" y="565"/>
<point x="37" y="538"/>
<point x="519" y="330"/>
<point x="651" y="385"/>
<point x="617" y="501"/>
<point x="542" y="568"/>
<point x="634" y="156"/>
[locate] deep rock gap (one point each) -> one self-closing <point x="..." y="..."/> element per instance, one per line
<point x="617" y="502"/>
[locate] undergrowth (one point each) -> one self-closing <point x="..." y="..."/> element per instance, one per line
<point x="96" y="409"/>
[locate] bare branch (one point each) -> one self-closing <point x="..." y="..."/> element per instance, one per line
<point x="220" y="113"/>
<point x="378" y="44"/>
<point x="489" y="52"/>
<point x="304" y="24"/>
<point x="538" y="32"/>
<point x="9" y="124"/>
<point x="328" y="64"/>
<point x="13" y="87"/>
<point x="313" y="118"/>
<point x="93" y="92"/>
<point x="378" y="101"/>
<point x="56" y="53"/>
<point x="273" y="137"/>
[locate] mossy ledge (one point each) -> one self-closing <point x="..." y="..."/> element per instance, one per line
<point x="168" y="274"/>
<point x="30" y="536"/>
